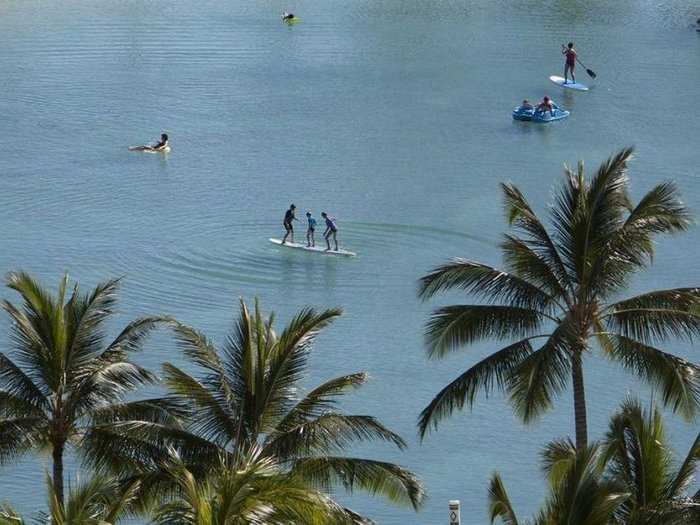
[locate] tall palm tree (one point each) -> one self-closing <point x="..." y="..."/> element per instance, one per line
<point x="558" y="295"/>
<point x="61" y="383"/>
<point x="578" y="494"/>
<point x="251" y="491"/>
<point x="636" y="454"/>
<point x="102" y="500"/>
<point x="246" y="395"/>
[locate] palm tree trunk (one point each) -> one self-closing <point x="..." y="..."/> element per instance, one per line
<point x="58" y="471"/>
<point x="579" y="401"/>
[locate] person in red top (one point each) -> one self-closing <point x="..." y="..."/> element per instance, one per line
<point x="570" y="53"/>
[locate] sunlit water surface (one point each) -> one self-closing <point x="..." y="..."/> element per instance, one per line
<point x="395" y="117"/>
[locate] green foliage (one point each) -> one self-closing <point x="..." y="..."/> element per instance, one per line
<point x="245" y="397"/>
<point x="629" y="478"/>
<point x="63" y="383"/>
<point x="556" y="290"/>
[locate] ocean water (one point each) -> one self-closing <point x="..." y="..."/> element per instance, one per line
<point x="394" y="117"/>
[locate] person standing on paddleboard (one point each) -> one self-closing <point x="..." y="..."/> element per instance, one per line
<point x="331" y="231"/>
<point x="310" y="241"/>
<point x="288" y="226"/>
<point x="570" y="63"/>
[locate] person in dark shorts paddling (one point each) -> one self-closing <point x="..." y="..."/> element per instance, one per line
<point x="331" y="231"/>
<point x="570" y="63"/>
<point x="288" y="226"/>
<point x="310" y="241"/>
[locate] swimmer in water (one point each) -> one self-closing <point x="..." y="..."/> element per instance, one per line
<point x="287" y="17"/>
<point x="162" y="145"/>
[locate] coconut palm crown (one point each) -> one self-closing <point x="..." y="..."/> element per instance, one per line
<point x="62" y="382"/>
<point x="559" y="295"/>
<point x="247" y="395"/>
<point x="629" y="478"/>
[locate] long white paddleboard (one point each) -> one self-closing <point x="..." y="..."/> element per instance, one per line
<point x="569" y="85"/>
<point x="316" y="249"/>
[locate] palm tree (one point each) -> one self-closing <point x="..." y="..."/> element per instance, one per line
<point x="62" y="386"/>
<point x="627" y="479"/>
<point x="100" y="501"/>
<point x="637" y="455"/>
<point x="251" y="491"/>
<point x="246" y="396"/>
<point x="578" y="494"/>
<point x="560" y="288"/>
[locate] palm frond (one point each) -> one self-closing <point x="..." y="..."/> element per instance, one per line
<point x="287" y="363"/>
<point x="127" y="446"/>
<point x="19" y="385"/>
<point x="214" y="420"/>
<point x="521" y="215"/>
<point x="678" y="379"/>
<point x="495" y="369"/>
<point x="320" y="400"/>
<point x="486" y="282"/>
<point x="499" y="502"/>
<point x="557" y="459"/>
<point x="685" y="475"/>
<point x="657" y="316"/>
<point x="451" y="327"/>
<point x="331" y="432"/>
<point x="19" y="435"/>
<point x="375" y="477"/>
<point x="540" y="376"/>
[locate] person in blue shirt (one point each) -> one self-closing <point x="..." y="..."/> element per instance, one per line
<point x="310" y="241"/>
<point x="331" y="231"/>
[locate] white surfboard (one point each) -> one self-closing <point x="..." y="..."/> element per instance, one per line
<point x="316" y="249"/>
<point x="569" y="85"/>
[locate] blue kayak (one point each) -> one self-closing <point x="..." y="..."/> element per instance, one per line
<point x="532" y="115"/>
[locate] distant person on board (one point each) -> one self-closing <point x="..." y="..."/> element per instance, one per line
<point x="570" y="53"/>
<point x="331" y="231"/>
<point x="545" y="105"/>
<point x="310" y="241"/>
<point x="161" y="145"/>
<point x="288" y="226"/>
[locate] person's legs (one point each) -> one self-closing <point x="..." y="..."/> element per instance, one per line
<point x="289" y="230"/>
<point x="335" y="239"/>
<point x="573" y="77"/>
<point x="313" y="241"/>
<point x="328" y="243"/>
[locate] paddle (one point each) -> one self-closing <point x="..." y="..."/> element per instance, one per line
<point x="590" y="72"/>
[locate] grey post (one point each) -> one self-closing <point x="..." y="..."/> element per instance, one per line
<point x="454" y="512"/>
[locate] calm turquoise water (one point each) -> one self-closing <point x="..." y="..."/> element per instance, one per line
<point x="392" y="115"/>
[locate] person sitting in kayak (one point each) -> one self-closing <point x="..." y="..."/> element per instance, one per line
<point x="526" y="105"/>
<point x="162" y="145"/>
<point x="287" y="17"/>
<point x="331" y="231"/>
<point x="570" y="63"/>
<point x="545" y="105"/>
<point x="288" y="226"/>
<point x="310" y="241"/>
